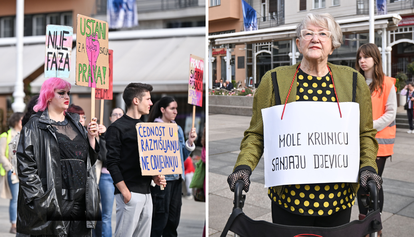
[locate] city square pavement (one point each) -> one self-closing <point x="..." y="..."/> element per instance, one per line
<point x="191" y="222"/>
<point x="225" y="135"/>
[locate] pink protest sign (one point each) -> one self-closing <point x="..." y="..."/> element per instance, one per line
<point x="107" y="94"/>
<point x="195" y="86"/>
<point x="92" y="69"/>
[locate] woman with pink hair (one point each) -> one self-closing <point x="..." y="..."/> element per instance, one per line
<point x="58" y="192"/>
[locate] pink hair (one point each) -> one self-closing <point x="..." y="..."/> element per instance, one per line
<point x="47" y="91"/>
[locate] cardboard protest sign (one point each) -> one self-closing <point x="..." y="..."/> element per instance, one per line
<point x="312" y="144"/>
<point x="159" y="148"/>
<point x="195" y="86"/>
<point x="107" y="94"/>
<point x="92" y="53"/>
<point x="58" y="51"/>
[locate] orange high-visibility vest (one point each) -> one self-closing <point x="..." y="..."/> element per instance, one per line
<point x="385" y="137"/>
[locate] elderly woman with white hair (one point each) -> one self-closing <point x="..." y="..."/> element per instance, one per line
<point x="313" y="79"/>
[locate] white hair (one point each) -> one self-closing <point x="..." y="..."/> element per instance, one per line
<point x="326" y="21"/>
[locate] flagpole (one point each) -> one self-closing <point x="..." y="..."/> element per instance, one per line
<point x="371" y="22"/>
<point x="18" y="94"/>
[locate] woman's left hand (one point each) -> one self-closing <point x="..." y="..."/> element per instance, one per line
<point x="192" y="136"/>
<point x="93" y="129"/>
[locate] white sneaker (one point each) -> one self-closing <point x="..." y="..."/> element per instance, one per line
<point x="410" y="131"/>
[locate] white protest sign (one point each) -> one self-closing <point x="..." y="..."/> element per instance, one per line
<point x="159" y="148"/>
<point x="312" y="144"/>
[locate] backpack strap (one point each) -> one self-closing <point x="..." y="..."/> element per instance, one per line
<point x="354" y="86"/>
<point x="276" y="89"/>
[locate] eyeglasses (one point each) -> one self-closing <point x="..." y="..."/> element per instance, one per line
<point x="322" y="35"/>
<point x="116" y="114"/>
<point x="83" y="116"/>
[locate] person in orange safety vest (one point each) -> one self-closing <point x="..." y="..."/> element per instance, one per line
<point x="384" y="108"/>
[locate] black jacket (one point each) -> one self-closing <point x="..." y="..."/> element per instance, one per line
<point x="39" y="170"/>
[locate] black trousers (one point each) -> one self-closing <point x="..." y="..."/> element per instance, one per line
<point x="283" y="217"/>
<point x="167" y="209"/>
<point x="410" y="118"/>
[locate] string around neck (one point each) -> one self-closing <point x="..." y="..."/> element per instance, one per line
<point x="291" y="85"/>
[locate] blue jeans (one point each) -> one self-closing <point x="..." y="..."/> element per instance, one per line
<point x="106" y="186"/>
<point x="14" y="188"/>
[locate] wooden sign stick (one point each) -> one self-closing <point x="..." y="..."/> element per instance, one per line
<point x="161" y="186"/>
<point x="92" y="103"/>
<point x="194" y="112"/>
<point x="101" y="112"/>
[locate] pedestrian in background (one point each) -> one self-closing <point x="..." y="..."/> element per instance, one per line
<point x="58" y="193"/>
<point x="409" y="100"/>
<point x="29" y="109"/>
<point x="167" y="202"/>
<point x="10" y="182"/>
<point x="384" y="110"/>
<point x="189" y="172"/>
<point x="77" y="111"/>
<point x="132" y="189"/>
<point x="106" y="184"/>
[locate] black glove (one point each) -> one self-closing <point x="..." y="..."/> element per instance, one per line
<point x="368" y="175"/>
<point x="239" y="175"/>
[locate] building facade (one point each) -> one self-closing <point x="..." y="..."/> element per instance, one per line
<point x="156" y="51"/>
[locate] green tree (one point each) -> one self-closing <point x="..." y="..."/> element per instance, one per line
<point x="401" y="79"/>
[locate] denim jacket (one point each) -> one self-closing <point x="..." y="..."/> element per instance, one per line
<point x="184" y="151"/>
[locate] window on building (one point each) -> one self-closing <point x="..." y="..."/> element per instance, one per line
<point x="318" y="4"/>
<point x="7" y="27"/>
<point x="263" y="10"/>
<point x="201" y="23"/>
<point x="273" y="8"/>
<point x="28" y="27"/>
<point x="240" y="62"/>
<point x="302" y="5"/>
<point x="336" y="2"/>
<point x="66" y="19"/>
<point x="39" y="25"/>
<point x="53" y="19"/>
<point x="215" y="3"/>
<point x="223" y="69"/>
<point x="34" y="24"/>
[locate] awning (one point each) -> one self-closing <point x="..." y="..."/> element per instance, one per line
<point x="33" y="59"/>
<point x="289" y="31"/>
<point x="163" y="63"/>
<point x="159" y="57"/>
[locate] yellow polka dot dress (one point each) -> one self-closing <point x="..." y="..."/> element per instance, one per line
<point x="314" y="199"/>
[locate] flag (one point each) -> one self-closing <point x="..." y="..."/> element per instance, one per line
<point x="381" y="7"/>
<point x="122" y="13"/>
<point x="249" y="17"/>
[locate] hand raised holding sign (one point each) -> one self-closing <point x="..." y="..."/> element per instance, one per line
<point x="93" y="128"/>
<point x="192" y="136"/>
<point x="160" y="181"/>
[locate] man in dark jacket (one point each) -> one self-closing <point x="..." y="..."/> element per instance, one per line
<point x="132" y="190"/>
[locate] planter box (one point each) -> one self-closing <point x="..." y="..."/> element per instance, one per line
<point x="234" y="105"/>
